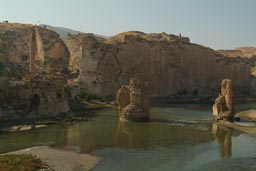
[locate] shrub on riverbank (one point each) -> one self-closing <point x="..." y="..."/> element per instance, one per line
<point x="85" y="95"/>
<point x="21" y="163"/>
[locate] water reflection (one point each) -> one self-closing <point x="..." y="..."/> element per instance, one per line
<point x="89" y="136"/>
<point x="163" y="143"/>
<point x="223" y="137"/>
<point x="130" y="135"/>
<point x="15" y="141"/>
<point x="106" y="132"/>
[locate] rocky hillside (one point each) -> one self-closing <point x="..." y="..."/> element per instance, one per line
<point x="15" y="44"/>
<point x="62" y="31"/>
<point x="173" y="66"/>
<point x="244" y="52"/>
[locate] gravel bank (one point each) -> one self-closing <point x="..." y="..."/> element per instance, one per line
<point x="62" y="160"/>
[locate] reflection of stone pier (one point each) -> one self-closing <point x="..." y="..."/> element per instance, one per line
<point x="223" y="136"/>
<point x="130" y="135"/>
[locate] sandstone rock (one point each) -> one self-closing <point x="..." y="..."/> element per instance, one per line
<point x="41" y="126"/>
<point x="26" y="128"/>
<point x="133" y="101"/>
<point x="249" y="115"/>
<point x="244" y="52"/>
<point x="15" y="43"/>
<point x="74" y="44"/>
<point x="41" y="58"/>
<point x="223" y="108"/>
<point x="174" y="67"/>
<point x="14" y="128"/>
<point x="37" y="99"/>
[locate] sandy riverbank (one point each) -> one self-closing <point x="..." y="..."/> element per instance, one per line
<point x="247" y="115"/>
<point x="60" y="160"/>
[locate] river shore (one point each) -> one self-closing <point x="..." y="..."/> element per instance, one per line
<point x="80" y="112"/>
<point x="60" y="160"/>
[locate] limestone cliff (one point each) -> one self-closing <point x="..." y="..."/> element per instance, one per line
<point x="75" y="46"/>
<point x="173" y="66"/>
<point x="15" y="44"/>
<point x="244" y="52"/>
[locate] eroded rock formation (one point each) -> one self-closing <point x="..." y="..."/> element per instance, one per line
<point x="223" y="108"/>
<point x="134" y="101"/>
<point x="34" y="99"/>
<point x="15" y="44"/>
<point x="74" y="44"/>
<point x="34" y="64"/>
<point x="174" y="67"/>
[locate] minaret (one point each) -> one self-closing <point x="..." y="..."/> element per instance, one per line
<point x="33" y="51"/>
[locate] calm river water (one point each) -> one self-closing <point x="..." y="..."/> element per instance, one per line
<point x="178" y="137"/>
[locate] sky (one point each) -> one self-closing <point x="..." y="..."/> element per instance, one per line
<point x="218" y="24"/>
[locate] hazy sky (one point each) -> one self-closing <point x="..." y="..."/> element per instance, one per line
<point x="219" y="24"/>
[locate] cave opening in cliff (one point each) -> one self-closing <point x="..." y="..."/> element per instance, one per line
<point x="59" y="96"/>
<point x="35" y="102"/>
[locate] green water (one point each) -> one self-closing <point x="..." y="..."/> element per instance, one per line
<point x="178" y="137"/>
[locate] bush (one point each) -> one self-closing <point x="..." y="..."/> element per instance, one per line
<point x="20" y="163"/>
<point x="83" y="94"/>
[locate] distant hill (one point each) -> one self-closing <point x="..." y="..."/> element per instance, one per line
<point x="244" y="52"/>
<point x="248" y="51"/>
<point x="62" y="31"/>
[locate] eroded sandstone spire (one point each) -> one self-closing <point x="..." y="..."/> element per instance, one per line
<point x="134" y="101"/>
<point x="223" y="108"/>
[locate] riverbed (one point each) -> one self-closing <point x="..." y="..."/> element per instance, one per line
<point x="178" y="137"/>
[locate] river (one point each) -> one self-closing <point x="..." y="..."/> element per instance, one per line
<point x="178" y="137"/>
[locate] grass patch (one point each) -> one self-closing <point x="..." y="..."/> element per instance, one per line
<point x="85" y="95"/>
<point x="20" y="163"/>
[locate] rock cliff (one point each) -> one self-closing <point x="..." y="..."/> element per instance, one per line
<point x="15" y="44"/>
<point x="173" y="66"/>
<point x="244" y="52"/>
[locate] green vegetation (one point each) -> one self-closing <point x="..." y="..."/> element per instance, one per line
<point x="86" y="103"/>
<point x="10" y="74"/>
<point x="85" y="95"/>
<point x="21" y="163"/>
<point x="5" y="21"/>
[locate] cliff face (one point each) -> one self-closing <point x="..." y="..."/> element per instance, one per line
<point x="173" y="66"/>
<point x="15" y="45"/>
<point x="244" y="52"/>
<point x="74" y="44"/>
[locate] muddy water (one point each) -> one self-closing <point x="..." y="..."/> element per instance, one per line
<point x="178" y="137"/>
